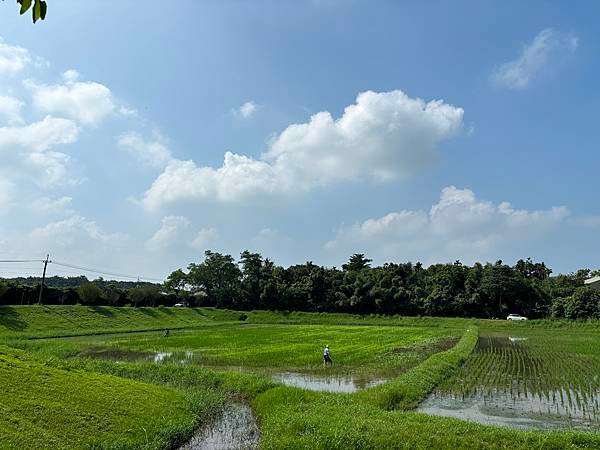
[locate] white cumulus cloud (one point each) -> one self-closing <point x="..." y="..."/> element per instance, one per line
<point x="88" y="103"/>
<point x="534" y="57"/>
<point x="205" y="238"/>
<point x="10" y="110"/>
<point x="169" y="232"/>
<point x="13" y="59"/>
<point x="27" y="150"/>
<point x="7" y="192"/>
<point x="49" y="205"/>
<point x="459" y="226"/>
<point x="64" y="234"/>
<point x="153" y="153"/>
<point x="41" y="135"/>
<point x="381" y="137"/>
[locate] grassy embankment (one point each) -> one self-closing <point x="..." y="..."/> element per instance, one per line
<point x="46" y="407"/>
<point x="50" y="321"/>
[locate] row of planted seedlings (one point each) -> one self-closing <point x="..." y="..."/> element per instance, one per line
<point x="532" y="376"/>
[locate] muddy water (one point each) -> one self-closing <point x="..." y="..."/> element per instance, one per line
<point x="327" y="383"/>
<point x="235" y="429"/>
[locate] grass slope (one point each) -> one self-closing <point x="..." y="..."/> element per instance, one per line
<point x="46" y="407"/>
<point x="47" y="321"/>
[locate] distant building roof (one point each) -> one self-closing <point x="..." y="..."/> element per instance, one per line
<point x="593" y="282"/>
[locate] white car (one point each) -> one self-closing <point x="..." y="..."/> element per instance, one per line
<point x="180" y="305"/>
<point x="515" y="317"/>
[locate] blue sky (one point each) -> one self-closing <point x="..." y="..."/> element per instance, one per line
<point x="408" y="131"/>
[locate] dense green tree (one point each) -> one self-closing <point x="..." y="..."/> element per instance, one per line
<point x="90" y="294"/>
<point x="490" y="290"/>
<point x="176" y="281"/>
<point x="356" y="263"/>
<point x="218" y="277"/>
<point x="250" y="284"/>
<point x="583" y="304"/>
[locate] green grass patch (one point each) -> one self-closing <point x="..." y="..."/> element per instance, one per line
<point x="48" y="321"/>
<point x="297" y="347"/>
<point x="47" y="407"/>
<point x="408" y="390"/>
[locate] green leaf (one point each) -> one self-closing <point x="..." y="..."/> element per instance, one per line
<point x="44" y="7"/>
<point x="25" y="5"/>
<point x="37" y="11"/>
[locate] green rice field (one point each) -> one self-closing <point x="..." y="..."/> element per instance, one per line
<point x="78" y="377"/>
<point x="529" y="378"/>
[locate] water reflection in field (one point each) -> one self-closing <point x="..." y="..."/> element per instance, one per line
<point x="507" y="410"/>
<point x="236" y="428"/>
<point x="321" y="382"/>
<point x="327" y="383"/>
<point x="512" y="381"/>
<point x="124" y="355"/>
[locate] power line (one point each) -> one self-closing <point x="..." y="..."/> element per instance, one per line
<point x="21" y="260"/>
<point x="77" y="267"/>
<point x="104" y="272"/>
<point x="56" y="271"/>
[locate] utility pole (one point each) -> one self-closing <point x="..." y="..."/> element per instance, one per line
<point x="43" y="279"/>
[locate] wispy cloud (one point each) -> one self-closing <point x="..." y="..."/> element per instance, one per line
<point x="247" y="110"/>
<point x="535" y="56"/>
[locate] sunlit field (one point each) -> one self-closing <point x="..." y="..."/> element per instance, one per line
<point x="258" y="378"/>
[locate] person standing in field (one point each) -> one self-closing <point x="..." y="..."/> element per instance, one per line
<point x="327" y="356"/>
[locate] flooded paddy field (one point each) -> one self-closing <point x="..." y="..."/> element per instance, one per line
<point x="539" y="380"/>
<point x="363" y="356"/>
<point x="324" y="379"/>
<point x="325" y="382"/>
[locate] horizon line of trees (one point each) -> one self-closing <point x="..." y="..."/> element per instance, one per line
<point x="491" y="290"/>
<point x="80" y="290"/>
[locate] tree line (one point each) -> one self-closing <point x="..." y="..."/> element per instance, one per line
<point x="81" y="291"/>
<point x="491" y="290"/>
